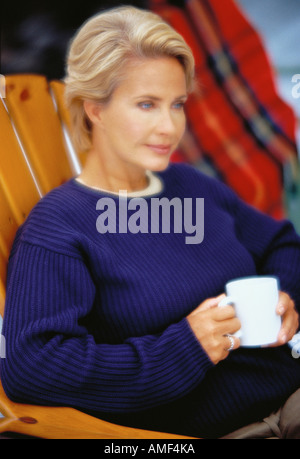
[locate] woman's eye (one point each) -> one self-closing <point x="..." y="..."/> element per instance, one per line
<point x="179" y="105"/>
<point x="146" y="105"/>
<point x="149" y="105"/>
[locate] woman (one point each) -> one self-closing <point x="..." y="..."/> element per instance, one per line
<point x="111" y="303"/>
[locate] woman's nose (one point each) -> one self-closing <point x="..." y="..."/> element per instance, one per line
<point x="166" y="124"/>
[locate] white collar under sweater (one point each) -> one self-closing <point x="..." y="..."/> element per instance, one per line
<point x="154" y="187"/>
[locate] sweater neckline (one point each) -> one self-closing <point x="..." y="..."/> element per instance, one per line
<point x="154" y="186"/>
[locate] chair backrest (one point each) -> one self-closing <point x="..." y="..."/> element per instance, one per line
<point x="34" y="157"/>
<point x="8" y="228"/>
<point x="35" y="118"/>
<point x="18" y="192"/>
<point x="57" y="88"/>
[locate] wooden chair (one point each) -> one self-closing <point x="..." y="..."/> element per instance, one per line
<point x="57" y="90"/>
<point x="33" y="160"/>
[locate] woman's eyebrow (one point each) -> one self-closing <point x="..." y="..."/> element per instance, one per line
<point x="156" y="98"/>
<point x="148" y="96"/>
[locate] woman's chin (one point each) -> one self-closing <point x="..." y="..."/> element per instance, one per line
<point x="158" y="165"/>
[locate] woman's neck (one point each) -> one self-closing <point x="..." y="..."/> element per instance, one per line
<point x="105" y="176"/>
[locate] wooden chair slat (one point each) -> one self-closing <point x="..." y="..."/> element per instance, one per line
<point x="17" y="182"/>
<point x="18" y="193"/>
<point x="31" y="108"/>
<point x="8" y="228"/>
<point x="57" y="87"/>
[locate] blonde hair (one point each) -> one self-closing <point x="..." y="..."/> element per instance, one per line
<point x="101" y="49"/>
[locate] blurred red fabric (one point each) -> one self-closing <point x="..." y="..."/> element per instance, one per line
<point x="238" y="127"/>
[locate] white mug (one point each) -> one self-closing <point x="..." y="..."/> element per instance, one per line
<point x="254" y="300"/>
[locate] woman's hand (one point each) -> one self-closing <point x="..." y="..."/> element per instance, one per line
<point x="211" y="324"/>
<point x="290" y="318"/>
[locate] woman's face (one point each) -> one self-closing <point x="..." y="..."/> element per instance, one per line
<point x="143" y="122"/>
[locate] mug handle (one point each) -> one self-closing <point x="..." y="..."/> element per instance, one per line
<point x="225" y="302"/>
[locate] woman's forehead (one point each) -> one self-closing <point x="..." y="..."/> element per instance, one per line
<point x="154" y="74"/>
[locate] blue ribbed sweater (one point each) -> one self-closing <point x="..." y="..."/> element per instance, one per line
<point x="98" y="321"/>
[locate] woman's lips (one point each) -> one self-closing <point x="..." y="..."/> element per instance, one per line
<point x="160" y="149"/>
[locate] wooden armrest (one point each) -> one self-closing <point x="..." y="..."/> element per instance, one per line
<point x="65" y="423"/>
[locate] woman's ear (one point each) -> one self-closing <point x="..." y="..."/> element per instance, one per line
<point x="93" y="111"/>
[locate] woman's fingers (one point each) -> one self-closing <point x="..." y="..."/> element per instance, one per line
<point x="209" y="303"/>
<point x="211" y="325"/>
<point x="290" y="319"/>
